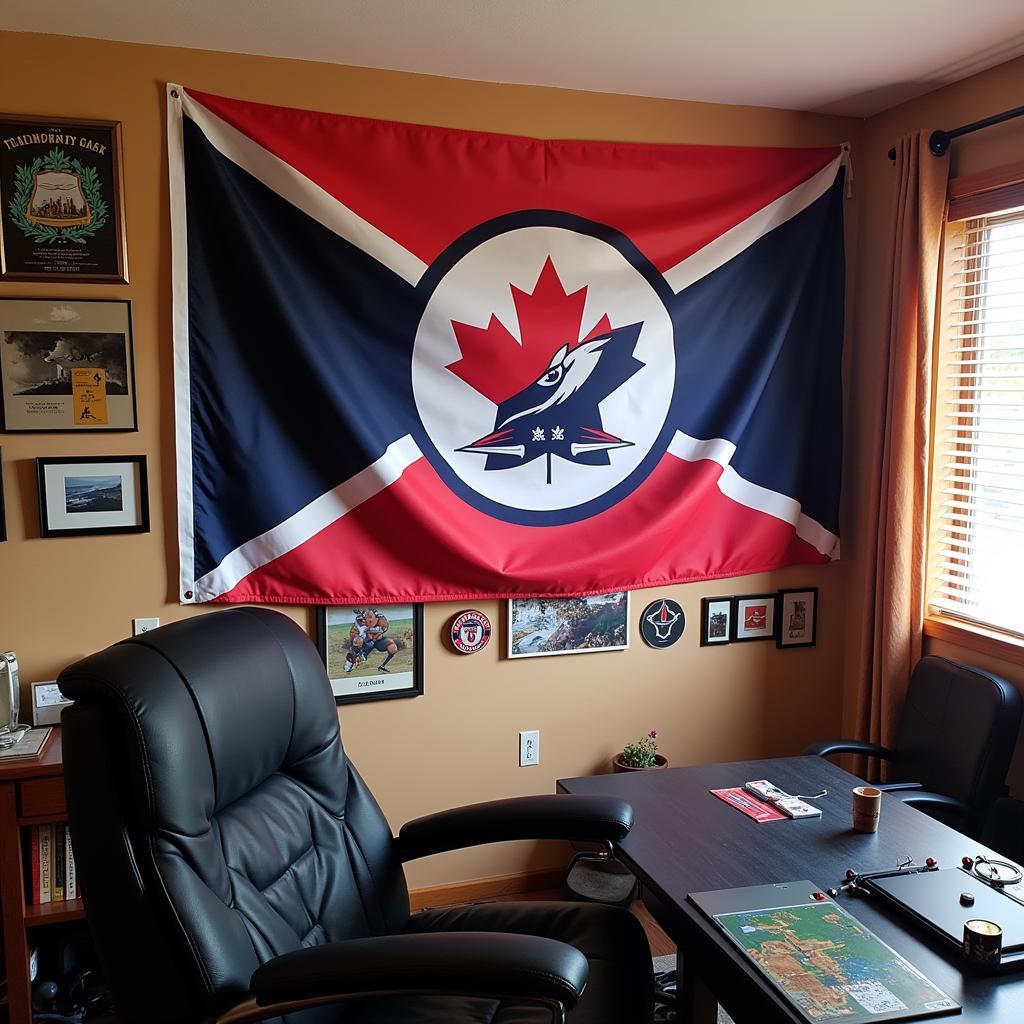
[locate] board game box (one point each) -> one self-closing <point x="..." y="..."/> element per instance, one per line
<point x="821" y="958"/>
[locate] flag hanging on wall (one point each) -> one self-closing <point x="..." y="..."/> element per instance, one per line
<point x="417" y="364"/>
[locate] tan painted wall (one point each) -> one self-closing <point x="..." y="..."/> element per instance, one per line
<point x="979" y="96"/>
<point x="62" y="598"/>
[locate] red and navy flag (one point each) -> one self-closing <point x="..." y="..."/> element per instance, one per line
<point x="417" y="364"/>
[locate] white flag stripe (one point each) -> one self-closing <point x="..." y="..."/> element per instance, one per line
<point x="179" y="320"/>
<point x="743" y="492"/>
<point x="303" y="193"/>
<point x="723" y="248"/>
<point x="309" y="521"/>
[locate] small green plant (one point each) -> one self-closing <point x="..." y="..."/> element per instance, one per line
<point x="642" y="754"/>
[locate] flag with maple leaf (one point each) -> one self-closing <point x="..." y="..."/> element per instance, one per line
<point x="416" y="363"/>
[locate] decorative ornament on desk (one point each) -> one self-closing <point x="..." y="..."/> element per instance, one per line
<point x="662" y="623"/>
<point x="470" y="631"/>
<point x="640" y="756"/>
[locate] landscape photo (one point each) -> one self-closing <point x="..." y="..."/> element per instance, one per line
<point x="39" y="363"/>
<point x="93" y="494"/>
<point x="568" y="625"/>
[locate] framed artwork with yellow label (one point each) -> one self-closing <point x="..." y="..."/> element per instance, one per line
<point x="67" y="365"/>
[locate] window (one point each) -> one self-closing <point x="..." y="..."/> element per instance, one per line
<point x="976" y="543"/>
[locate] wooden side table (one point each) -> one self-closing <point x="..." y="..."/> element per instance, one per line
<point x="31" y="793"/>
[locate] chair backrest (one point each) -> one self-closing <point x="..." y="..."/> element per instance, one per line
<point x="215" y="818"/>
<point x="958" y="731"/>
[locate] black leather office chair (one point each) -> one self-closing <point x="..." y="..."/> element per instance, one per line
<point x="235" y="867"/>
<point x="955" y="742"/>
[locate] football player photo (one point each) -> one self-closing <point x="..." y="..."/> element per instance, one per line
<point x="371" y="650"/>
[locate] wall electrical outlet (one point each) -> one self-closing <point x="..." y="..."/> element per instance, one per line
<point x="529" y="747"/>
<point x="143" y="625"/>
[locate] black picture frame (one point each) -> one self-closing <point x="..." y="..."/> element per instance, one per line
<point x="705" y="621"/>
<point x="772" y="599"/>
<point x="35" y="244"/>
<point x="11" y="413"/>
<point x="52" y="525"/>
<point x="410" y="680"/>
<point x="781" y="630"/>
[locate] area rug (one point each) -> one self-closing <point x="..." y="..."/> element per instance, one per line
<point x="664" y="1011"/>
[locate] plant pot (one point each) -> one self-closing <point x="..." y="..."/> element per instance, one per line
<point x="617" y="765"/>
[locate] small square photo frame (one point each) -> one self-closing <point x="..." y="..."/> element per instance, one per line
<point x="371" y="651"/>
<point x="86" y="496"/>
<point x="753" y="617"/>
<point x="715" y="621"/>
<point x="798" y="618"/>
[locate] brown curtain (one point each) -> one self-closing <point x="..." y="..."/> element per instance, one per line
<point x="891" y="639"/>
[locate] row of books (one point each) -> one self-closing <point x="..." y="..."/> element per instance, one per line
<point x="53" y="864"/>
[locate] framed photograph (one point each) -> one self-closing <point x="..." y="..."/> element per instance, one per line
<point x="539" y="626"/>
<point x="715" y="621"/>
<point x="753" y="617"/>
<point x="88" y="495"/>
<point x="372" y="652"/>
<point x="67" y="365"/>
<point x="61" y="212"/>
<point x="798" y="618"/>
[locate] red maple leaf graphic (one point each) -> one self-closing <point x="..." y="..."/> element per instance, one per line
<point x="497" y="365"/>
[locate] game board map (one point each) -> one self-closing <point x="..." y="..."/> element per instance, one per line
<point x="832" y="967"/>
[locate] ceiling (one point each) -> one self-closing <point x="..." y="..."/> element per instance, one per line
<point x="851" y="57"/>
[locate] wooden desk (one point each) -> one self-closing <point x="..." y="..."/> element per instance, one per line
<point x="31" y="793"/>
<point x="685" y="840"/>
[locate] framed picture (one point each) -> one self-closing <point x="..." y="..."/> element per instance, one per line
<point x="61" y="213"/>
<point x="753" y="617"/>
<point x="539" y="626"/>
<point x="372" y="652"/>
<point x="715" y="621"/>
<point x="88" y="495"/>
<point x="67" y="365"/>
<point x="798" y="618"/>
<point x="3" y="509"/>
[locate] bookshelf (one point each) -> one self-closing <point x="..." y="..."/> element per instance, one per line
<point x="31" y="793"/>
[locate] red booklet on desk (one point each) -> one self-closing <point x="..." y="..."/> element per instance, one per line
<point x="746" y="802"/>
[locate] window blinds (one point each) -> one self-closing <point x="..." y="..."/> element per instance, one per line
<point x="976" y="566"/>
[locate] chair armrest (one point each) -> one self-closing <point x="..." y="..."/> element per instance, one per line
<point x="895" y="787"/>
<point x="572" y="816"/>
<point x="827" y="747"/>
<point x="926" y="800"/>
<point x="494" y="964"/>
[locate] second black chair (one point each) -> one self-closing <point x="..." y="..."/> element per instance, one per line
<point x="955" y="742"/>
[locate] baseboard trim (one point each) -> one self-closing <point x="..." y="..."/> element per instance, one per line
<point x="485" y="888"/>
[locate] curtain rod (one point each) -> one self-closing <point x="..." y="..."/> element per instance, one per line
<point x="938" y="141"/>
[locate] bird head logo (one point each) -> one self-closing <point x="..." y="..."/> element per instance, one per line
<point x="558" y="415"/>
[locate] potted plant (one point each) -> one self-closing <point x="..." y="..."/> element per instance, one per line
<point x="640" y="756"/>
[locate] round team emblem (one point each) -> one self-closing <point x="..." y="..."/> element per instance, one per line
<point x="662" y="623"/>
<point x="470" y="631"/>
<point x="543" y="367"/>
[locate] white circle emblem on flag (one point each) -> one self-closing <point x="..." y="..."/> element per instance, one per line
<point x="543" y="372"/>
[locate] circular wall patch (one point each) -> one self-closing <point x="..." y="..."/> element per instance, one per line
<point x="662" y="623"/>
<point x="470" y="631"/>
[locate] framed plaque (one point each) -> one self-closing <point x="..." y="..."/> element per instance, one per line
<point x="61" y="213"/>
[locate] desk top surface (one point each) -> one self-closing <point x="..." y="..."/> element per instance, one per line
<point x="686" y="840"/>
